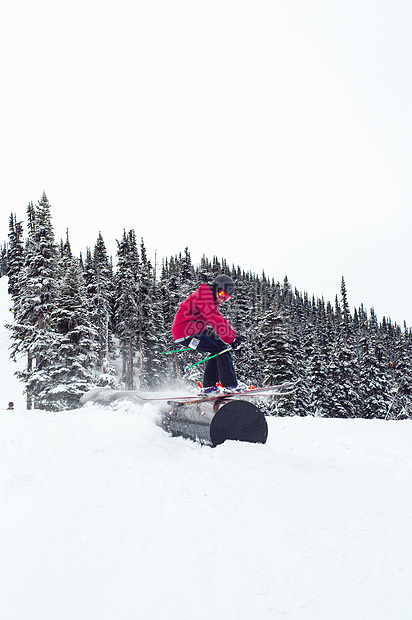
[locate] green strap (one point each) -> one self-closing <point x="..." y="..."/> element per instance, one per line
<point x="177" y="351"/>
<point x="205" y="359"/>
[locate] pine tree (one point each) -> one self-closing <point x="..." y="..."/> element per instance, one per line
<point x="301" y="341"/>
<point x="169" y="363"/>
<point x="373" y="386"/>
<point x="4" y="269"/>
<point x="156" y="370"/>
<point x="343" y="365"/>
<point x="73" y="356"/>
<point x="277" y="362"/>
<point x="146" y="332"/>
<point x="401" y="402"/>
<point x="37" y="285"/>
<point x="345" y="315"/>
<point x="244" y="312"/>
<point x="15" y="255"/>
<point x="65" y="255"/>
<point x="318" y="381"/>
<point x="98" y="274"/>
<point x="127" y="305"/>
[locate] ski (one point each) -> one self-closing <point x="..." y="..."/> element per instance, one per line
<point x="106" y="396"/>
<point x="282" y="389"/>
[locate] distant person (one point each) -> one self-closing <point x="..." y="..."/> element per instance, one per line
<point x="198" y="324"/>
<point x="10" y="407"/>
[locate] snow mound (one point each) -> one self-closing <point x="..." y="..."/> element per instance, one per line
<point x="106" y="516"/>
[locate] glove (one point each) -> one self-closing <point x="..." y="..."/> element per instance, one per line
<point x="237" y="344"/>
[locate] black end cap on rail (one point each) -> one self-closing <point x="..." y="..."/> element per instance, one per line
<point x="238" y="420"/>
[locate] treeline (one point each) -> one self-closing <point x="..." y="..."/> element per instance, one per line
<point x="82" y="322"/>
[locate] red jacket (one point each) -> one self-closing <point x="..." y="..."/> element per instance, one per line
<point x="197" y="312"/>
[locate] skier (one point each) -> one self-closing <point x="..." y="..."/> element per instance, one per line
<point x="10" y="407"/>
<point x="198" y="324"/>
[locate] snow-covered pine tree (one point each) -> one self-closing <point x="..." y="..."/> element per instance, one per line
<point x="301" y="338"/>
<point x="382" y="359"/>
<point x="400" y="406"/>
<point x="244" y="312"/>
<point x="187" y="273"/>
<point x="15" y="255"/>
<point x="32" y="331"/>
<point x="147" y="336"/>
<point x="204" y="271"/>
<point x="277" y="361"/>
<point x="156" y="370"/>
<point x="73" y="356"/>
<point x="66" y="249"/>
<point x="318" y="384"/>
<point x="126" y="314"/>
<point x="65" y="256"/>
<point x="322" y="336"/>
<point x="98" y="275"/>
<point x="3" y="260"/>
<point x="167" y="303"/>
<point x="343" y="366"/>
<point x="373" y="378"/>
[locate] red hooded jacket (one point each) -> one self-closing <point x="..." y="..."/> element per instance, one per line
<point x="197" y="312"/>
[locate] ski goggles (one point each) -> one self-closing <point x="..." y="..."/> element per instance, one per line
<point x="223" y="296"/>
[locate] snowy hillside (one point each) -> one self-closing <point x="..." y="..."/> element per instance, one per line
<point x="106" y="517"/>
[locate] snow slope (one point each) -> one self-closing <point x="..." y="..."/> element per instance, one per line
<point x="105" y="517"/>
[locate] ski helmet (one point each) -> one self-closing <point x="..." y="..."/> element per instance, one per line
<point x="225" y="284"/>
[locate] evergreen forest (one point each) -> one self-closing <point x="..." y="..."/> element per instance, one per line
<point x="90" y="321"/>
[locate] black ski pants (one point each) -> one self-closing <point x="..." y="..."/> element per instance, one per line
<point x="219" y="368"/>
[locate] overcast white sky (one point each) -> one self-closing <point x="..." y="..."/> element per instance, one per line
<point x="275" y="133"/>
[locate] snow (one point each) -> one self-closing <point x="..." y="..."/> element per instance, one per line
<point x="106" y="517"/>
